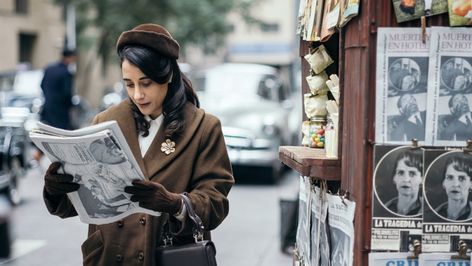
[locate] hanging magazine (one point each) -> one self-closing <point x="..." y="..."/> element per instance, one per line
<point x="100" y="160"/>
<point x="341" y="230"/>
<point x="304" y="220"/>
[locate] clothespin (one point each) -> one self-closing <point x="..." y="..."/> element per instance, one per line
<point x="423" y="29"/>
<point x="416" y="250"/>
<point x="414" y="144"/>
<point x="343" y="194"/>
<point x="462" y="252"/>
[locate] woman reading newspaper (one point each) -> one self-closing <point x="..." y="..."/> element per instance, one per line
<point x="179" y="147"/>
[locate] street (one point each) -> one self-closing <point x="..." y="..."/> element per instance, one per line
<point x="249" y="236"/>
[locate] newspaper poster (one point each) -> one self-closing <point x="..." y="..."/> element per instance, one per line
<point x="100" y="160"/>
<point x="439" y="259"/>
<point x="397" y="198"/>
<point x="401" y="86"/>
<point x="391" y="259"/>
<point x="447" y="217"/>
<point x="341" y="229"/>
<point x="460" y="12"/>
<point x="304" y="221"/>
<point x="450" y="89"/>
<point x="320" y="246"/>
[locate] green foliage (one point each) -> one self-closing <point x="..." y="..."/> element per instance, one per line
<point x="203" y="23"/>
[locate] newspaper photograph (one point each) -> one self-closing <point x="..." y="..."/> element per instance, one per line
<point x="401" y="86"/>
<point x="100" y="160"/>
<point x="304" y="221"/>
<point x="341" y="229"/>
<point x="391" y="259"/>
<point x="450" y="89"/>
<point x="447" y="215"/>
<point x="320" y="247"/>
<point x="436" y="259"/>
<point x="397" y="198"/>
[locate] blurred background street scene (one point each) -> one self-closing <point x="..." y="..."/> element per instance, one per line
<point x="241" y="56"/>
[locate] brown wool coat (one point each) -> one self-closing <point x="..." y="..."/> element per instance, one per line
<point x="199" y="166"/>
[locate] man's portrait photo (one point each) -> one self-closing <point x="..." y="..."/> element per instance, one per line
<point x="407" y="74"/>
<point x="455" y="75"/>
<point x="398" y="179"/>
<point x="448" y="185"/>
<point x="405" y="104"/>
<point x="455" y="118"/>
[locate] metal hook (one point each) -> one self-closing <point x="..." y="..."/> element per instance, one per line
<point x="416" y="249"/>
<point x="462" y="252"/>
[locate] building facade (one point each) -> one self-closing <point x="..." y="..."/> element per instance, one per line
<point x="32" y="33"/>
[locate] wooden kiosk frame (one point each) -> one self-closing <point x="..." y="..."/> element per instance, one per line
<point x="354" y="48"/>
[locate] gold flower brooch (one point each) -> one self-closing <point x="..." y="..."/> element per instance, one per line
<point x="168" y="147"/>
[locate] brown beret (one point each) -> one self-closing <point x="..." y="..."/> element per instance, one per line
<point x="152" y="36"/>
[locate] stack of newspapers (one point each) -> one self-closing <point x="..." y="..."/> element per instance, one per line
<point x="100" y="160"/>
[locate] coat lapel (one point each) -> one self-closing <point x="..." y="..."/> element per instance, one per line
<point x="155" y="159"/>
<point x="126" y="122"/>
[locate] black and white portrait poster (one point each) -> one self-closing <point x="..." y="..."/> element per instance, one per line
<point x="341" y="230"/>
<point x="304" y="219"/>
<point x="397" y="198"/>
<point x="447" y="189"/>
<point x="401" y="86"/>
<point x="391" y="259"/>
<point x="450" y="89"/>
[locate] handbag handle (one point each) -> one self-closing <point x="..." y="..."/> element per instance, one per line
<point x="198" y="224"/>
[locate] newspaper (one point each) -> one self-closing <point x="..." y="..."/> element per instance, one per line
<point x="100" y="160"/>
<point x="401" y="85"/>
<point x="320" y="248"/>
<point x="447" y="217"/>
<point x="397" y="198"/>
<point x="437" y="259"/>
<point x="450" y="88"/>
<point x="304" y="221"/>
<point x="391" y="258"/>
<point x="341" y="229"/>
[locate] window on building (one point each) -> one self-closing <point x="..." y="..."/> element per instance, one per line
<point x="21" y="6"/>
<point x="270" y="27"/>
<point x="27" y="42"/>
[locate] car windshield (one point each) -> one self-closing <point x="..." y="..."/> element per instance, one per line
<point x="238" y="85"/>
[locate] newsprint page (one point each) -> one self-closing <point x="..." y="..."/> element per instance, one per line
<point x="397" y="198"/>
<point x="450" y="89"/>
<point x="401" y="85"/>
<point x="100" y="160"/>
<point x="447" y="217"/>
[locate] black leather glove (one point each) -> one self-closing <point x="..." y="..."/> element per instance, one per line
<point x="154" y="196"/>
<point x="58" y="184"/>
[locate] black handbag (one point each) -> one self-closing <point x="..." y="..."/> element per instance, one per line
<point x="200" y="253"/>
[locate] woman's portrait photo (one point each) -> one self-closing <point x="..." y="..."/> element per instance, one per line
<point x="455" y="75"/>
<point x="448" y="183"/>
<point x="398" y="178"/>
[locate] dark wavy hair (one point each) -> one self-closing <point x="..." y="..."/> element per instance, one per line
<point x="461" y="162"/>
<point x="413" y="158"/>
<point x="160" y="69"/>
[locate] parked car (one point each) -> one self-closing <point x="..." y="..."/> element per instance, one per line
<point x="254" y="107"/>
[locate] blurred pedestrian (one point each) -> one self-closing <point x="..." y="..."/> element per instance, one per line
<point x="179" y="146"/>
<point x="57" y="90"/>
